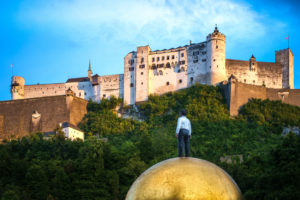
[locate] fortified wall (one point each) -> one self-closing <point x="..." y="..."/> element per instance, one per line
<point x="238" y="94"/>
<point x="20" y="117"/>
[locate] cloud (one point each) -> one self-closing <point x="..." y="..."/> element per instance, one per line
<point x="142" y="20"/>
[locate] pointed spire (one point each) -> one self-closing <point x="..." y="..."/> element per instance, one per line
<point x="216" y="28"/>
<point x="90" y="66"/>
<point x="252" y="56"/>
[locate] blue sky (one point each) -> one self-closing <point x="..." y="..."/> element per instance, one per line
<point x="49" y="41"/>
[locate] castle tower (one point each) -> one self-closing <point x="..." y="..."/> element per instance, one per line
<point x="286" y="58"/>
<point x="252" y="64"/>
<point x="17" y="87"/>
<point x="216" y="57"/>
<point x="129" y="78"/>
<point x="142" y="77"/>
<point x="90" y="73"/>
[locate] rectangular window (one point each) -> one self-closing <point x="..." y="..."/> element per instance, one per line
<point x="195" y="61"/>
<point x="163" y="58"/>
<point x="168" y="57"/>
<point x="173" y="57"/>
<point x="195" y="53"/>
<point x="182" y="62"/>
<point x="157" y="59"/>
<point x="203" y="60"/>
<point x="203" y="52"/>
<point x="153" y="59"/>
<point x="131" y="84"/>
<point x="142" y="66"/>
<point x="131" y="69"/>
<point x="142" y="60"/>
<point x="182" y="54"/>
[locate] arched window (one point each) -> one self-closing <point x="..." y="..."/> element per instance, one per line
<point x="161" y="72"/>
<point x="168" y="65"/>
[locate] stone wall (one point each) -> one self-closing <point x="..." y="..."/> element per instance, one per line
<point x="237" y="94"/>
<point x="81" y="89"/>
<point x="266" y="73"/>
<point x="111" y="85"/>
<point x="20" y="117"/>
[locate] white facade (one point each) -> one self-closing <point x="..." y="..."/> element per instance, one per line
<point x="72" y="133"/>
<point x="157" y="72"/>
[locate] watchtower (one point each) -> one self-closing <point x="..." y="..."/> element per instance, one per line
<point x="216" y="57"/>
<point x="17" y="87"/>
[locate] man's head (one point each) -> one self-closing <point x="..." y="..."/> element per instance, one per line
<point x="183" y="112"/>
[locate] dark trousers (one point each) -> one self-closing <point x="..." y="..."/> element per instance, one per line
<point x="183" y="139"/>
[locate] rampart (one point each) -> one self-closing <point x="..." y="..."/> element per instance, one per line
<point x="238" y="94"/>
<point x="20" y="117"/>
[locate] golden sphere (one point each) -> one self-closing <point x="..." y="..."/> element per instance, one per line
<point x="184" y="179"/>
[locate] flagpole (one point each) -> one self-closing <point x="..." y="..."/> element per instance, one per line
<point x="288" y="41"/>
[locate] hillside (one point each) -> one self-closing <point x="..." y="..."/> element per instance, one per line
<point x="34" y="168"/>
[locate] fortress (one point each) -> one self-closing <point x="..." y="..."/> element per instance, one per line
<point x="42" y="107"/>
<point x="157" y="72"/>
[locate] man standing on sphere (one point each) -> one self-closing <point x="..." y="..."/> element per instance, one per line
<point x="183" y="133"/>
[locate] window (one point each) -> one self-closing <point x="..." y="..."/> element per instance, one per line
<point x="142" y="60"/>
<point x="203" y="52"/>
<point x="142" y="83"/>
<point x="168" y="83"/>
<point x="182" y="62"/>
<point x="253" y="81"/>
<point x="163" y="58"/>
<point x="173" y="57"/>
<point x="191" y="79"/>
<point x="217" y="47"/>
<point x="182" y="69"/>
<point x="142" y="66"/>
<point x="131" y="84"/>
<point x="180" y="81"/>
<point x="214" y="60"/>
<point x="79" y="94"/>
<point x="203" y="60"/>
<point x="131" y="69"/>
<point x="157" y="59"/>
<point x="195" y="61"/>
<point x="245" y="80"/>
<point x="168" y="65"/>
<point x="161" y="72"/>
<point x="85" y="93"/>
<point x="142" y="73"/>
<point x="104" y="95"/>
<point x="195" y="53"/>
<point x="153" y="59"/>
<point x="182" y="54"/>
<point x="168" y="57"/>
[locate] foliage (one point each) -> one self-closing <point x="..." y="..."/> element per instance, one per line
<point x="118" y="150"/>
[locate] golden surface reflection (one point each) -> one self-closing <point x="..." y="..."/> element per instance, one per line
<point x="184" y="179"/>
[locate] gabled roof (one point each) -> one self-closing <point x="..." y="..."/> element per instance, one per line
<point x="67" y="124"/>
<point x="81" y="79"/>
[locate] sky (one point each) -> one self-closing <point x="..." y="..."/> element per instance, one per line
<point x="49" y="41"/>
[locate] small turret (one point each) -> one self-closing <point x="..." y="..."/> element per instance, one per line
<point x="17" y="87"/>
<point x="252" y="63"/>
<point x="90" y="73"/>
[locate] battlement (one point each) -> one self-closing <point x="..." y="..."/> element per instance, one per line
<point x="216" y="35"/>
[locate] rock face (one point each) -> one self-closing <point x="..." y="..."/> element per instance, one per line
<point x="184" y="179"/>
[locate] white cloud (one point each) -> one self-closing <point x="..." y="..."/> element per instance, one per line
<point x="143" y="20"/>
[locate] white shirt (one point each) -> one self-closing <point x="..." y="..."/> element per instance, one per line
<point x="183" y="122"/>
